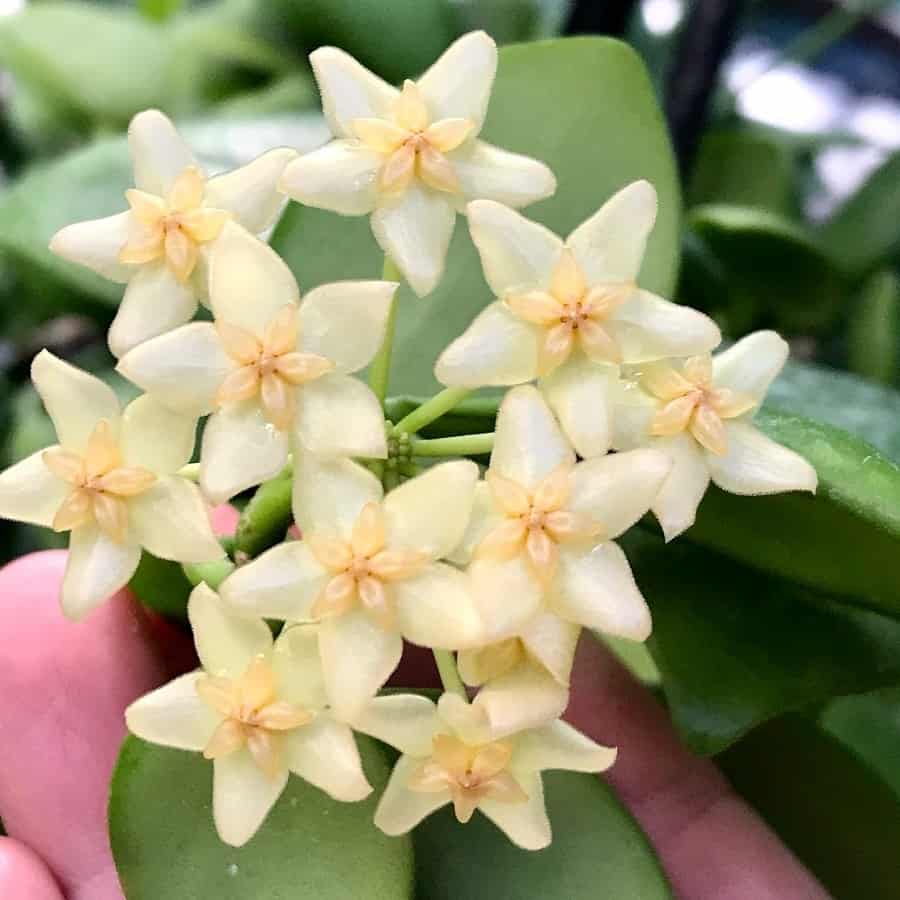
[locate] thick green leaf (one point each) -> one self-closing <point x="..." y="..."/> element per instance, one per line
<point x="539" y="107"/>
<point x="162" y="585"/>
<point x="771" y="266"/>
<point x="165" y="845"/>
<point x="863" y="233"/>
<point x="597" y="851"/>
<point x="873" y="334"/>
<point x="845" y="539"/>
<point x="736" y="646"/>
<point x="829" y="808"/>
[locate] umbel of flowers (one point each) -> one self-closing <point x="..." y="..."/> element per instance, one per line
<point x="497" y="571"/>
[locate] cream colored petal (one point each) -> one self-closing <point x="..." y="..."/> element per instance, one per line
<point x="282" y="583"/>
<point x="226" y="642"/>
<point x="342" y="176"/>
<point x="429" y="513"/>
<point x="466" y="721"/>
<point x="646" y="327"/>
<point x="675" y="506"/>
<point x="155" y="302"/>
<point x="75" y="400"/>
<point x="96" y="244"/>
<point x="524" y="698"/>
<point x="552" y="642"/>
<point x="240" y="449"/>
<point x="97" y="567"/>
<point x="615" y="491"/>
<point x="752" y="364"/>
<point x="345" y="321"/>
<point x="400" y="809"/>
<point x="485" y="517"/>
<point x="487" y="172"/>
<point x="517" y="254"/>
<point x="507" y="595"/>
<point x="324" y="753"/>
<point x="595" y="588"/>
<point x="525" y="824"/>
<point x="609" y="246"/>
<point x="498" y="348"/>
<point x="297" y="666"/>
<point x="349" y="90"/>
<point x="408" y="722"/>
<point x="250" y="191"/>
<point x="580" y="394"/>
<point x="30" y="492"/>
<point x="182" y="369"/>
<point x="755" y="464"/>
<point x="633" y="413"/>
<point x="172" y="521"/>
<point x="436" y="608"/>
<point x="528" y="442"/>
<point x="414" y="230"/>
<point x="156" y="438"/>
<point x="458" y="84"/>
<point x="174" y="715"/>
<point x="338" y="415"/>
<point x="158" y="152"/>
<point x="243" y="795"/>
<point x="249" y="283"/>
<point x="560" y="746"/>
<point x="358" y="657"/>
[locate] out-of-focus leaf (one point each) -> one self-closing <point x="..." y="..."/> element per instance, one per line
<point x="737" y="646"/>
<point x="536" y="83"/>
<point x="165" y="845"/>
<point x="597" y="850"/>
<point x="840" y="819"/>
<point x="510" y="20"/>
<point x="864" y="233"/>
<point x="771" y="265"/>
<point x="873" y="333"/>
<point x="289" y="94"/>
<point x="159" y="10"/>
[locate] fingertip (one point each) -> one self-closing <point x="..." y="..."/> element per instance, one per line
<point x="224" y="519"/>
<point x="23" y="875"/>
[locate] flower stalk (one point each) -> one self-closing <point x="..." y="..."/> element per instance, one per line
<point x="440" y="404"/>
<point x="380" y="369"/>
<point x="459" y="445"/>
<point x="449" y="674"/>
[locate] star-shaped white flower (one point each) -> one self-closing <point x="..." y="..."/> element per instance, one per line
<point x="111" y="482"/>
<point x="541" y="533"/>
<point x="411" y="157"/>
<point x="272" y="370"/>
<point x="450" y="755"/>
<point x="159" y="247"/>
<point x="700" y="411"/>
<point x="368" y="568"/>
<point x="570" y="312"/>
<point x="525" y="677"/>
<point x="258" y="710"/>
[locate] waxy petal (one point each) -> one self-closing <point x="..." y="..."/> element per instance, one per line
<point x="30" y="492"/>
<point x="560" y="746"/>
<point x="675" y="506"/>
<point x="525" y="824"/>
<point x="158" y="152"/>
<point x="523" y="698"/>
<point x="243" y="795"/>
<point x="297" y="667"/>
<point x="484" y="518"/>
<point x="491" y="173"/>
<point x="324" y="753"/>
<point x="156" y="438"/>
<point x="405" y="721"/>
<point x="552" y="642"/>
<point x="97" y="244"/>
<point x="751" y="365"/>
<point x="507" y="593"/>
<point x="401" y="809"/>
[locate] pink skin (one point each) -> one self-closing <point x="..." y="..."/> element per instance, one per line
<point x="65" y="686"/>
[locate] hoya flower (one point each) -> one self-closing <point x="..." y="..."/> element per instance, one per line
<point x="450" y="755"/>
<point x="700" y="411"/>
<point x="110" y="481"/>
<point x="258" y="710"/>
<point x="541" y="533"/>
<point x="368" y="568"/>
<point x="569" y="313"/>
<point x="411" y="158"/>
<point x="159" y="246"/>
<point x="271" y="370"/>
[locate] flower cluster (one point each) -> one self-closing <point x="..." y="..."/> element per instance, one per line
<point x="497" y="571"/>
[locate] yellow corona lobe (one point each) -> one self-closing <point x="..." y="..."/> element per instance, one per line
<point x="172" y="228"/>
<point x="101" y="485"/>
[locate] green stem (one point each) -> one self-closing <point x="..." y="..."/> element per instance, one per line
<point x="266" y="517"/>
<point x="446" y="666"/>
<point x="432" y="409"/>
<point x="191" y="471"/>
<point x="461" y="445"/>
<point x="380" y="370"/>
<point x="212" y="573"/>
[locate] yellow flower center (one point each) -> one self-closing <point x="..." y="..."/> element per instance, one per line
<point x="252" y="716"/>
<point x="270" y="366"/>
<point x="361" y="568"/>
<point x="101" y="485"/>
<point x="412" y="145"/>
<point x="470" y="773"/>
<point x="536" y="521"/>
<point x="172" y="228"/>
<point x="691" y="401"/>
<point x="570" y="314"/>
